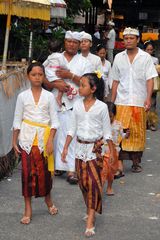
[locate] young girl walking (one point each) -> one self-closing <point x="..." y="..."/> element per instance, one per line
<point x="35" y="123"/>
<point x="91" y="124"/>
<point x="111" y="169"/>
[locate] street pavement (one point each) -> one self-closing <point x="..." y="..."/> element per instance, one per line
<point x="132" y="214"/>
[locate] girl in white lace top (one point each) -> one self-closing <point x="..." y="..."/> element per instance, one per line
<point x="90" y="122"/>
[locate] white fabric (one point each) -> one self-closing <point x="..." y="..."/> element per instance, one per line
<point x="111" y="39"/>
<point x="111" y="23"/>
<point x="97" y="35"/>
<point x="95" y="62"/>
<point x="155" y="60"/>
<point x="132" y="78"/>
<point x="73" y="35"/>
<point x="52" y="64"/>
<point x="43" y="112"/>
<point x="117" y="133"/>
<point x="89" y="126"/>
<point x="85" y="35"/>
<point x="79" y="66"/>
<point x="106" y="71"/>
<point x="131" y="31"/>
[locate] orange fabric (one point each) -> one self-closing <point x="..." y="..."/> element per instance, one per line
<point x="109" y="169"/>
<point x="133" y="118"/>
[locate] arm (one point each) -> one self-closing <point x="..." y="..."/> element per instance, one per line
<point x="49" y="145"/>
<point x="112" y="151"/>
<point x="147" y="103"/>
<point x="66" y="74"/>
<point x="65" y="149"/>
<point x="58" y="84"/>
<point x="15" y="140"/>
<point x="114" y="90"/>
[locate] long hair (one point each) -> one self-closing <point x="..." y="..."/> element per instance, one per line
<point x="98" y="83"/>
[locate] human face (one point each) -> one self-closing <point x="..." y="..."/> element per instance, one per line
<point x="36" y="76"/>
<point x="149" y="49"/>
<point x="102" y="53"/>
<point x="130" y="41"/>
<point x="85" y="45"/>
<point x="71" y="46"/>
<point x="85" y="89"/>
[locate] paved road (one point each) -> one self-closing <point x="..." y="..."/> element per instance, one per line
<point x="132" y="214"/>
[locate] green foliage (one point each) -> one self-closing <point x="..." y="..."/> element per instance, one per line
<point x="76" y="6"/>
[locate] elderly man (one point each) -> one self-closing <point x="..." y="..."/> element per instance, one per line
<point x="75" y="67"/>
<point x="133" y="72"/>
<point x="85" y="45"/>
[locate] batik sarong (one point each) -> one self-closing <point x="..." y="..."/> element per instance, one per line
<point x="89" y="179"/>
<point x="36" y="179"/>
<point x="133" y="118"/>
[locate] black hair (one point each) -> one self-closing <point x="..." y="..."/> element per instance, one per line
<point x="147" y="43"/>
<point x="35" y="64"/>
<point x="99" y="47"/>
<point x="111" y="107"/>
<point x="55" y="46"/>
<point x="98" y="83"/>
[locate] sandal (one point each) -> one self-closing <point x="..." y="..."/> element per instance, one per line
<point x="72" y="179"/>
<point x="59" y="173"/>
<point x="90" y="232"/>
<point x="136" y="168"/>
<point x="119" y="174"/>
<point x="53" y="210"/>
<point x="25" y="220"/>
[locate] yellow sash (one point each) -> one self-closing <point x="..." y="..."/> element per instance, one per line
<point x="50" y="158"/>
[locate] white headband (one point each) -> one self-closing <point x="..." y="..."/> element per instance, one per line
<point x="73" y="35"/>
<point x="131" y="31"/>
<point x="85" y="35"/>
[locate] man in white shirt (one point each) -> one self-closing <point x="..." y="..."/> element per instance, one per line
<point x="76" y="65"/>
<point x="111" y="36"/>
<point x="133" y="72"/>
<point x="85" y="45"/>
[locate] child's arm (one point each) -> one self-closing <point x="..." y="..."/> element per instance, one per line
<point x="112" y="151"/>
<point x="65" y="149"/>
<point x="14" y="141"/>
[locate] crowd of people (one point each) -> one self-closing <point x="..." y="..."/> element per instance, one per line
<point x="92" y="109"/>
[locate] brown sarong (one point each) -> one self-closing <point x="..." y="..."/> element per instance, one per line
<point x="89" y="179"/>
<point x="36" y="179"/>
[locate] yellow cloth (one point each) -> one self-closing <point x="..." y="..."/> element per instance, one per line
<point x="50" y="158"/>
<point x="133" y="118"/>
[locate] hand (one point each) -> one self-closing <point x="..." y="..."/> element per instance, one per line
<point x="16" y="150"/>
<point x="63" y="73"/>
<point x="61" y="85"/>
<point x="127" y="133"/>
<point x="64" y="154"/>
<point x="147" y="104"/>
<point x="49" y="147"/>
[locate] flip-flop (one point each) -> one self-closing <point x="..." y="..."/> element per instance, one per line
<point x="72" y="179"/>
<point x="110" y="194"/>
<point x="53" y="210"/>
<point x="136" y="168"/>
<point x="90" y="232"/>
<point x="119" y="175"/>
<point x="25" y="220"/>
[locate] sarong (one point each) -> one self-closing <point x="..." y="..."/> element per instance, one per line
<point x="89" y="179"/>
<point x="36" y="179"/>
<point x="133" y="118"/>
<point x="109" y="168"/>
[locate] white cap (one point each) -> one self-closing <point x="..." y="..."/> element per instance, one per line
<point x="85" y="35"/>
<point x="110" y="23"/>
<point x="131" y="31"/>
<point x="73" y="35"/>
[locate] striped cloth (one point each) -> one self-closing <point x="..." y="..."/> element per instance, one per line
<point x="36" y="179"/>
<point x="133" y="118"/>
<point x="89" y="179"/>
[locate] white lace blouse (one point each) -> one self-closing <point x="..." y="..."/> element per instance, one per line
<point x="43" y="112"/>
<point x="89" y="126"/>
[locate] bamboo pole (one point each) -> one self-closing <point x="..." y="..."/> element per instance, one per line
<point x="4" y="68"/>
